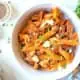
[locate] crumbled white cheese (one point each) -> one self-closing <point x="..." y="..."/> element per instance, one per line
<point x="60" y="28"/>
<point x="59" y="68"/>
<point x="35" y="58"/>
<point x="51" y="22"/>
<point x="52" y="48"/>
<point x="57" y="35"/>
<point x="70" y="50"/>
<point x="46" y="44"/>
<point x="53" y="39"/>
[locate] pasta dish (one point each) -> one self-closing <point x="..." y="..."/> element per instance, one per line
<point x="48" y="41"/>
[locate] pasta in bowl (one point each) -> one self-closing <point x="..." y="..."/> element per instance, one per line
<point x="47" y="39"/>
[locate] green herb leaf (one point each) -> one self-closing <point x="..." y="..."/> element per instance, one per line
<point x="64" y="66"/>
<point x="21" y="46"/>
<point x="77" y="10"/>
<point x="62" y="36"/>
<point x="41" y="38"/>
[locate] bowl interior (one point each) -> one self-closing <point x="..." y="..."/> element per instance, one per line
<point x="22" y="22"/>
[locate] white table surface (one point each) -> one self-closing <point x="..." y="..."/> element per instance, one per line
<point x="12" y="70"/>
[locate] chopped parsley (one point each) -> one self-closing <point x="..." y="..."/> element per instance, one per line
<point x="41" y="38"/>
<point x="77" y="10"/>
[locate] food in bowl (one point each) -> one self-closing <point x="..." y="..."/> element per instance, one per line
<point x="48" y="41"/>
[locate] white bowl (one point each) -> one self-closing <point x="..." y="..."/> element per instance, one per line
<point x="42" y="75"/>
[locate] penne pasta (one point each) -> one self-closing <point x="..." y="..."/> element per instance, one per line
<point x="55" y="41"/>
<point x="48" y="40"/>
